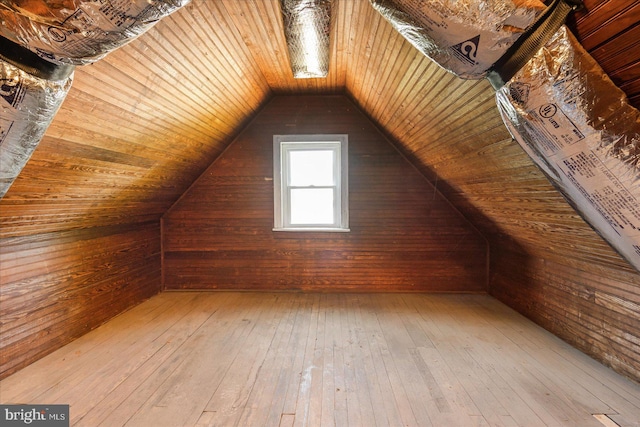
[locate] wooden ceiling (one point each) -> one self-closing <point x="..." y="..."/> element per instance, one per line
<point x="139" y="126"/>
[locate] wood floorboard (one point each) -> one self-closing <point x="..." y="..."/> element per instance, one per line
<point x="132" y="394"/>
<point x="72" y="358"/>
<point x="185" y="359"/>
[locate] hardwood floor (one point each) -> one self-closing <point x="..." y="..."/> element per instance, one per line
<point x="293" y="359"/>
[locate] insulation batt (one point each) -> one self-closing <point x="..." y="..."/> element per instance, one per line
<point x="27" y="107"/>
<point x="579" y="128"/>
<point x="465" y="37"/>
<point x="79" y="31"/>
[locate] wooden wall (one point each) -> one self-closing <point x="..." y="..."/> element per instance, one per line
<point x="594" y="308"/>
<point x="404" y="235"/>
<point x="56" y="286"/>
<point x="574" y="285"/>
<point x="546" y="262"/>
<point x="139" y="126"/>
<point x="610" y="31"/>
<point x="80" y="226"/>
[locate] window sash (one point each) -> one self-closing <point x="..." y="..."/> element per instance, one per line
<point x="286" y="150"/>
<point x="333" y="222"/>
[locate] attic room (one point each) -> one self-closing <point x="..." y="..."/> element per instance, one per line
<point x="145" y="278"/>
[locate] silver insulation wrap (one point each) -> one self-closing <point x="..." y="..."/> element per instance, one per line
<point x="465" y="37"/>
<point x="306" y="28"/>
<point x="27" y="107"/>
<point x="79" y="31"/>
<point x="579" y="128"/>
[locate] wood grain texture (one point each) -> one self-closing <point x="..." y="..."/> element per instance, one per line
<point x="452" y="131"/>
<point x="197" y="359"/>
<point x="610" y="31"/>
<point x="404" y="236"/>
<point x="139" y="126"/>
<point x="57" y="286"/>
<point x="594" y="309"/>
<point x="80" y="226"/>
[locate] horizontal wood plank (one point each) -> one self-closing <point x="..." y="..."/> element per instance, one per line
<point x="403" y="236"/>
<point x="140" y="126"/>
<point x="57" y="286"/>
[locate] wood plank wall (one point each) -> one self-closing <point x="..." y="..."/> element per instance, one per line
<point x="594" y="308"/>
<point x="610" y="31"/>
<point x="56" y="286"/>
<point x="404" y="236"/>
<point x="80" y="226"/>
<point x="585" y="293"/>
<point x="546" y="261"/>
<point x="139" y="126"/>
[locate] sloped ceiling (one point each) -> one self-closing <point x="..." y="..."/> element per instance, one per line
<point x="139" y="126"/>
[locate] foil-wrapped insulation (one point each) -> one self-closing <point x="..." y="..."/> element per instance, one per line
<point x="79" y="31"/>
<point x="306" y="28"/>
<point x="28" y="104"/>
<point x="580" y="129"/>
<point x="465" y="37"/>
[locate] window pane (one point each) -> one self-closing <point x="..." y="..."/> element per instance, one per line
<point x="310" y="167"/>
<point x="312" y="206"/>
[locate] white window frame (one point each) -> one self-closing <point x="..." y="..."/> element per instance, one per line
<point x="282" y="145"/>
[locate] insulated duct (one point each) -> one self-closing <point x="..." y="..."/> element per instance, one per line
<point x="306" y="28"/>
<point x="79" y="31"/>
<point x="579" y="128"/>
<point x="31" y="92"/>
<point x="465" y="37"/>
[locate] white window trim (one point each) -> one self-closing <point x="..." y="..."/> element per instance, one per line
<point x="280" y="145"/>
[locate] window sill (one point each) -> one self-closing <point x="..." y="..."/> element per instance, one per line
<point x="314" y="229"/>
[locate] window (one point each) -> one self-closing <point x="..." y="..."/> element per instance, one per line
<point x="310" y="183"/>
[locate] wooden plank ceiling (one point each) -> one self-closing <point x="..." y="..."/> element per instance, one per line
<point x="80" y="225"/>
<point x="141" y="125"/>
